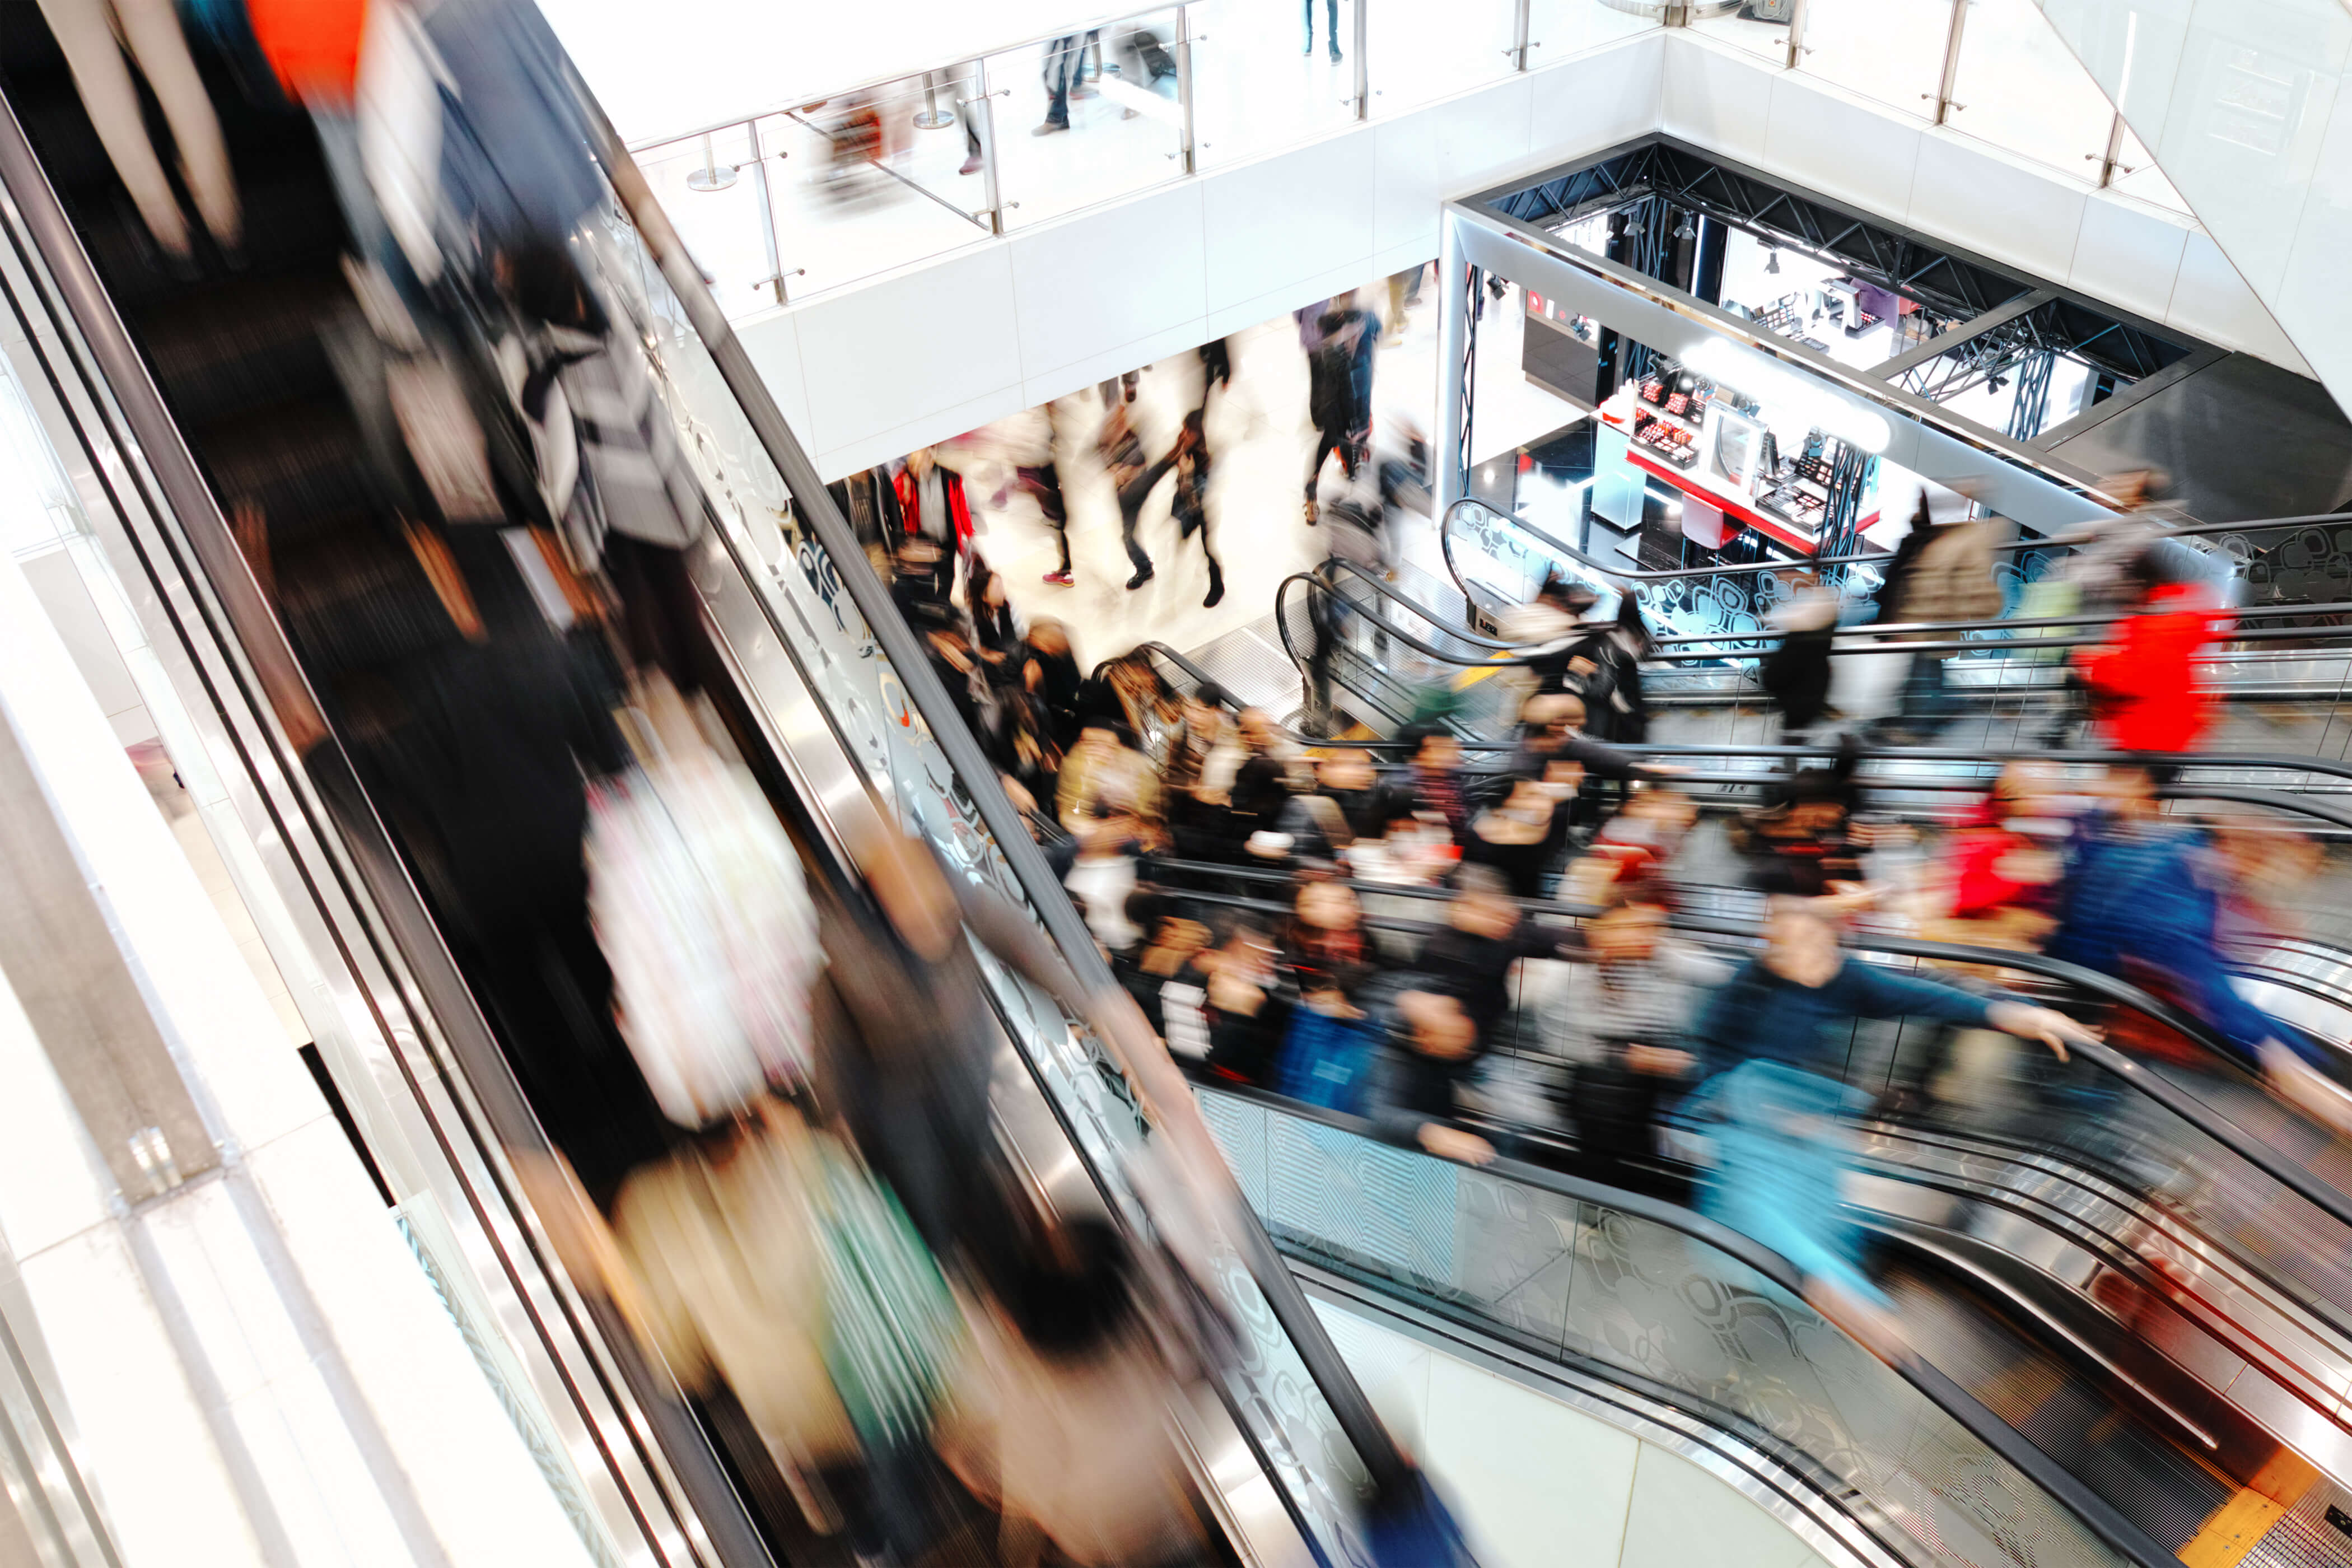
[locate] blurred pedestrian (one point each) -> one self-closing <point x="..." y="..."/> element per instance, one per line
<point x="1061" y="73"/>
<point x="2144" y="694"/>
<point x="1132" y="479"/>
<point x="1796" y="673"/>
<point x="1431" y="783"/>
<point x="1945" y="575"/>
<point x="1191" y="507"/>
<point x="1620" y="1022"/>
<point x="1339" y="388"/>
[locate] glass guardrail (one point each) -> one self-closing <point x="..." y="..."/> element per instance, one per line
<point x="1648" y="1306"/>
<point x="808" y="196"/>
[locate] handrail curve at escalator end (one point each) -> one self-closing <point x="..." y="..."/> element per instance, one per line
<point x="2096" y="1514"/>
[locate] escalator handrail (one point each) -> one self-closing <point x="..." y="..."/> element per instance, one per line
<point x="1745" y="568"/>
<point x="2275" y="762"/>
<point x="330" y="805"/>
<point x="1874" y="628"/>
<point x="2002" y="646"/>
<point x="1390" y="1471"/>
<point x="2114" y="1063"/>
<point x="2096" y="1514"/>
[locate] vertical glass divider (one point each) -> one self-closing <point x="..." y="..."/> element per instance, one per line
<point x="1363" y="78"/>
<point x="775" y="278"/>
<point x="1186" y="145"/>
<point x="984" y="102"/>
<point x="1944" y="104"/>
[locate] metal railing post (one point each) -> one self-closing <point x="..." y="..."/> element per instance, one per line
<point x="775" y="278"/>
<point x="985" y="101"/>
<point x="1187" y="142"/>
<point x="2114" y="155"/>
<point x="1944" y="104"/>
<point x="1796" y="34"/>
<point x="1519" y="44"/>
<point x="1363" y="80"/>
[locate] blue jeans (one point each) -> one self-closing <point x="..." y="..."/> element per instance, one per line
<point x="1331" y="26"/>
<point x="1062" y="57"/>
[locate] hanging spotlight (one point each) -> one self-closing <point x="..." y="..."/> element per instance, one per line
<point x="1771" y="259"/>
<point x="1683" y="229"/>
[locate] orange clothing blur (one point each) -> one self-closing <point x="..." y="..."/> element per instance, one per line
<point x="2143" y="684"/>
<point x="313" y="45"/>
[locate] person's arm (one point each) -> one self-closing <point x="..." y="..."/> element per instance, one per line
<point x="1874" y="991"/>
<point x="1604" y="761"/>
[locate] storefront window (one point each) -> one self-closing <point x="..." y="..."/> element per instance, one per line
<point x="1888" y="50"/>
<point x="1086" y="118"/>
<point x="2019" y="87"/>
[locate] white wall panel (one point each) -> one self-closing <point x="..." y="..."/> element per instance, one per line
<point x="2137" y="54"/>
<point x="1714" y="98"/>
<point x="1104" y="364"/>
<point x="917" y="343"/>
<point x="773" y="342"/>
<point x="2128" y="254"/>
<point x="1289" y="217"/>
<point x="1597" y="100"/>
<point x="1108" y="277"/>
<point x="2312" y="293"/>
<point x="868" y="448"/>
<point x="2210" y="299"/>
<point x="1973" y="195"/>
<point x="1424" y="158"/>
<point x="2243" y="164"/>
<point x="1841" y="148"/>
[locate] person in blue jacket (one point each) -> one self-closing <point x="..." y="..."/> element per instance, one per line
<point x="2142" y="900"/>
<point x="1777" y="1115"/>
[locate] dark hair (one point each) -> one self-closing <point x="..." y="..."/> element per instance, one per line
<point x="1414" y="737"/>
<point x="1209" y="694"/>
<point x="1072" y="1287"/>
<point x="2146" y="571"/>
<point x="1480" y="880"/>
<point x="1260" y="789"/>
<point x="1148" y="908"/>
<point x="1629" y="619"/>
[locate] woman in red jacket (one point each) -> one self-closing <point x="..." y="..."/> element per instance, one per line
<point x="2143" y="684"/>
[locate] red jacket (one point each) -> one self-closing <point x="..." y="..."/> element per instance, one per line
<point x="2143" y="683"/>
<point x="910" y="504"/>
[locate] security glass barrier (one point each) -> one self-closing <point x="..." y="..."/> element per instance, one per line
<point x="793" y="199"/>
<point x="1589" y="1283"/>
<point x="1087" y="116"/>
<point x="2018" y="86"/>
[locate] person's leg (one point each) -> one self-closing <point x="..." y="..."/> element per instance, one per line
<point x="1331" y="25"/>
<point x="1310" y="47"/>
<point x="152" y="30"/>
<point x="1131" y="510"/>
<point x="86" y="37"/>
<point x="1058" y="58"/>
<point x="1216" y="567"/>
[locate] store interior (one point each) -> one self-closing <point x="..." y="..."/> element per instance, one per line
<point x="1667" y="463"/>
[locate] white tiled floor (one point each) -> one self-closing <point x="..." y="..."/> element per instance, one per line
<point x="1260" y="436"/>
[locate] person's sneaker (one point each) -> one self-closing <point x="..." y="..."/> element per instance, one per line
<point x="1216" y="591"/>
<point x="1308" y="47"/>
<point x="1049" y="128"/>
<point x="1061" y="579"/>
<point x="1142" y="574"/>
<point x="1335" y="56"/>
<point x="971" y="165"/>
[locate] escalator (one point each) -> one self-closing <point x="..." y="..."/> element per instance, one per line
<point x="2280" y="676"/>
<point x="206" y="405"/>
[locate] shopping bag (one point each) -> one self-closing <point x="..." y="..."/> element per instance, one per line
<point x="892" y="1330"/>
